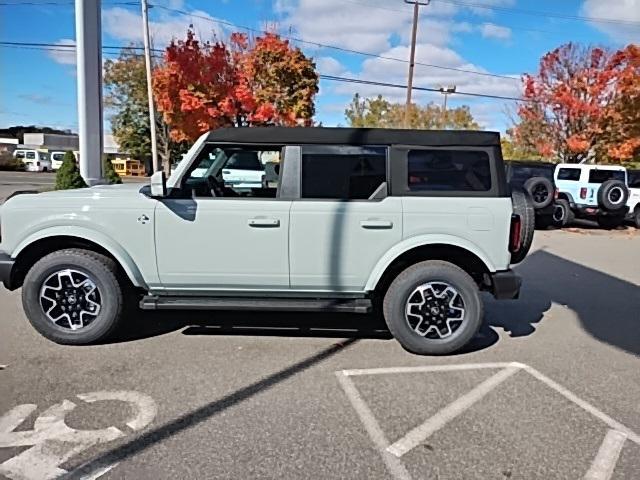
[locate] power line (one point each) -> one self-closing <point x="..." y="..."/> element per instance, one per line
<point x="538" y="13"/>
<point x="335" y="47"/>
<point x="334" y="78"/>
<point x="104" y="47"/>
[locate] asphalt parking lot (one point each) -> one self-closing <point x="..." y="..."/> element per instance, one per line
<point x="549" y="389"/>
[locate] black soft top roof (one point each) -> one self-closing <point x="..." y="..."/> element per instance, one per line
<point x="354" y="136"/>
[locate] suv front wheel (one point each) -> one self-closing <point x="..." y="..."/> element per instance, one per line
<point x="433" y="308"/>
<point x="73" y="297"/>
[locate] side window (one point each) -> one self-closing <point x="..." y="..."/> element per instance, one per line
<point x="234" y="171"/>
<point x="342" y="172"/>
<point x="572" y="174"/>
<point x="448" y="170"/>
<point x="31" y="155"/>
<point x="601" y="176"/>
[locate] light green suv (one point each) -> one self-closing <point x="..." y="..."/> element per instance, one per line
<point x="408" y="224"/>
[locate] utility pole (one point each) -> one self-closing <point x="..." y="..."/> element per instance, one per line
<point x="446" y="91"/>
<point x="89" y="71"/>
<point x="147" y="61"/>
<point x="412" y="55"/>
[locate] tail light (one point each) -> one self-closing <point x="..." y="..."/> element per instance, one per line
<point x="515" y="233"/>
<point x="583" y="193"/>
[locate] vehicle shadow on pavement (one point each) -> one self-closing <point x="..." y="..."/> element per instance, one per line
<point x="607" y="307"/>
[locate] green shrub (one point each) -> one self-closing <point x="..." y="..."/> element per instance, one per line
<point x="68" y="175"/>
<point x="110" y="175"/>
<point x="8" y="163"/>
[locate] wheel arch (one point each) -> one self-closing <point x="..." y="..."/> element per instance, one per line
<point x="396" y="260"/>
<point x="567" y="196"/>
<point x="30" y="250"/>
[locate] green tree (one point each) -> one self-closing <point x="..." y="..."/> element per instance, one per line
<point x="109" y="173"/>
<point x="381" y="113"/>
<point x="126" y="95"/>
<point x="68" y="175"/>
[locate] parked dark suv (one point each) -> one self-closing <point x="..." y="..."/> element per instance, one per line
<point x="537" y="179"/>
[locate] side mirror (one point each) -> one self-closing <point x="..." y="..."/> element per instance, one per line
<point x="159" y="184"/>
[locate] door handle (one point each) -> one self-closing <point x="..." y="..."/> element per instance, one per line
<point x="376" y="224"/>
<point x="264" y="222"/>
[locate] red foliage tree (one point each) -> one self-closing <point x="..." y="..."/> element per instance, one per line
<point x="203" y="86"/>
<point x="577" y="104"/>
<point x="620" y="125"/>
<point x="567" y="98"/>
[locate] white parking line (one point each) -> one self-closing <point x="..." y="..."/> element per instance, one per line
<point x="376" y="434"/>
<point x="607" y="457"/>
<point x="634" y="437"/>
<point x="602" y="466"/>
<point x="430" y="368"/>
<point x="419" y="434"/>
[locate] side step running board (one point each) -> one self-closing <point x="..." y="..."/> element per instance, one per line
<point x="359" y="305"/>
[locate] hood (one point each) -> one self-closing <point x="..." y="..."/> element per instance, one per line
<point x="106" y="191"/>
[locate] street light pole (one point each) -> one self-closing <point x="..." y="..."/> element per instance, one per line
<point x="412" y="55"/>
<point x="147" y="62"/>
<point x="446" y="91"/>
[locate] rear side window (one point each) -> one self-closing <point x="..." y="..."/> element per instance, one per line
<point x="342" y="172"/>
<point x="572" y="174"/>
<point x="449" y="170"/>
<point x="601" y="176"/>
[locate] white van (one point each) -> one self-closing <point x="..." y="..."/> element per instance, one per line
<point x="56" y="160"/>
<point x="34" y="160"/>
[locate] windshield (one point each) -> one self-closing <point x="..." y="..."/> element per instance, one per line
<point x="183" y="165"/>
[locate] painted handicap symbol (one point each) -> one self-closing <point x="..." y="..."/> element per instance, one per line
<point x="53" y="442"/>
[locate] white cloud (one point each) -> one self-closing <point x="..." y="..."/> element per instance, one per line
<point x="487" y="112"/>
<point x="348" y="25"/>
<point x="329" y="66"/>
<point x="63" y="56"/>
<point x="625" y="10"/>
<point x="126" y="26"/>
<point x="491" y="30"/>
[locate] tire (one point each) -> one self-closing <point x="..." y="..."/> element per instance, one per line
<point x="107" y="298"/>
<point x="430" y="342"/>
<point x="523" y="206"/>
<point x="636" y="217"/>
<point x="609" y="222"/>
<point x="541" y="191"/>
<point x="613" y="195"/>
<point x="562" y="213"/>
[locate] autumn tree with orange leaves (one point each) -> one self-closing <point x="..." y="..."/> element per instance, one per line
<point x="204" y="86"/>
<point x="577" y="105"/>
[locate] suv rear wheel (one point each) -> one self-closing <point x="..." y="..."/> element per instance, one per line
<point x="73" y="297"/>
<point x="433" y="308"/>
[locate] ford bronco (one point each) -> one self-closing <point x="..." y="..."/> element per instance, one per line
<point x="410" y="224"/>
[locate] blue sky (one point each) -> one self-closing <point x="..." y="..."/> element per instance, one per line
<point x="38" y="87"/>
